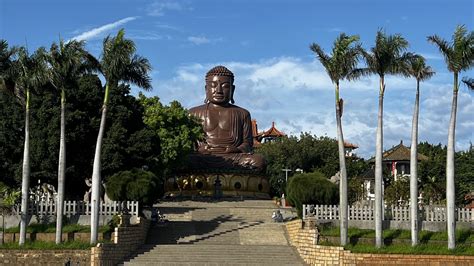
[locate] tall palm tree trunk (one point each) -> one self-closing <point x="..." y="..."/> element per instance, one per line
<point x="451" y="219"/>
<point x="343" y="211"/>
<point x="414" y="170"/>
<point x="61" y="171"/>
<point x="96" y="174"/>
<point x="25" y="184"/>
<point x="378" y="169"/>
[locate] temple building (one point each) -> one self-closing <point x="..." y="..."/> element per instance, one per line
<point x="396" y="160"/>
<point x="265" y="136"/>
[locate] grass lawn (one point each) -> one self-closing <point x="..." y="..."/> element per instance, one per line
<point x="51" y="228"/>
<point x="464" y="240"/>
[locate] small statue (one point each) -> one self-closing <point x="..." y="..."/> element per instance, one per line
<point x="217" y="188"/>
<point x="277" y="216"/>
<point x="87" y="195"/>
<point x="228" y="128"/>
<point x="102" y="196"/>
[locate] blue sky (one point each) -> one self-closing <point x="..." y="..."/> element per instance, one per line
<point x="265" y="43"/>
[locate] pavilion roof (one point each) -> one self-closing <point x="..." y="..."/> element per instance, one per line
<point x="399" y="153"/>
<point x="272" y="132"/>
<point x="350" y="145"/>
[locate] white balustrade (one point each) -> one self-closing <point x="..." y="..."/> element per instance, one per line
<point x="396" y="213"/>
<point x="42" y="208"/>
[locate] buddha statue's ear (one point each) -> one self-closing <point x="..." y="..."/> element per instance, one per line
<point x="206" y="100"/>
<point x="232" y="94"/>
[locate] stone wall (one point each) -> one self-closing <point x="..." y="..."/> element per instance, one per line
<point x="44" y="257"/>
<point x="51" y="237"/>
<point x="304" y="236"/>
<point x="126" y="240"/>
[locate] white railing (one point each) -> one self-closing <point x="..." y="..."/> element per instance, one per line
<point x="42" y="208"/>
<point x="394" y="213"/>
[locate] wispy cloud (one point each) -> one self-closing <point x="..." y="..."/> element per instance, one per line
<point x="431" y="56"/>
<point x="158" y="8"/>
<point x="167" y="27"/>
<point x="102" y="30"/>
<point x="148" y="35"/>
<point x="335" y="29"/>
<point x="198" y="40"/>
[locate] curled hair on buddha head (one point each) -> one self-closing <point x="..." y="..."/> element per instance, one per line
<point x="221" y="71"/>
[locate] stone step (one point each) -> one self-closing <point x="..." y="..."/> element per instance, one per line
<point x="218" y="233"/>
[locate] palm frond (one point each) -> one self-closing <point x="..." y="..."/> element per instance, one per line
<point x="119" y="62"/>
<point x="445" y="48"/>
<point x="469" y="82"/>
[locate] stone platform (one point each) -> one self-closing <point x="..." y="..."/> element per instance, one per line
<point x="232" y="184"/>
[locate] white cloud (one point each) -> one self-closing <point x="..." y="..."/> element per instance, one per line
<point x="102" y="30"/>
<point x="198" y="40"/>
<point x="158" y="8"/>
<point x="299" y="96"/>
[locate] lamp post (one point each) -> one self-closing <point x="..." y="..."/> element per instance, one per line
<point x="286" y="170"/>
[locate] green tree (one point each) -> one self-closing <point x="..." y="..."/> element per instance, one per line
<point x="459" y="56"/>
<point x="119" y="63"/>
<point x="8" y="198"/>
<point x="306" y="152"/>
<point x="9" y="117"/>
<point x="29" y="73"/>
<point x="386" y="57"/>
<point x="311" y="188"/>
<point x="135" y="185"/>
<point x="177" y="130"/>
<point x="464" y="175"/>
<point x="398" y="190"/>
<point x="342" y="61"/>
<point x="418" y="69"/>
<point x="67" y="62"/>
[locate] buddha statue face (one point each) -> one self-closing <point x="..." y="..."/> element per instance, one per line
<point x="219" y="89"/>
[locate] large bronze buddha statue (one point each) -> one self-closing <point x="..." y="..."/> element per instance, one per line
<point x="228" y="129"/>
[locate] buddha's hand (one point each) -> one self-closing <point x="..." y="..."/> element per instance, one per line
<point x="204" y="149"/>
<point x="232" y="150"/>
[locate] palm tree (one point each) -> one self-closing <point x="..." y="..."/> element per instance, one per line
<point x="29" y="73"/>
<point x="420" y="71"/>
<point x="339" y="65"/>
<point x="386" y="57"/>
<point x="459" y="56"/>
<point x="118" y="63"/>
<point x="67" y="61"/>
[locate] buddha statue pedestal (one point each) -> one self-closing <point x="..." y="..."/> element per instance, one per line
<point x="246" y="185"/>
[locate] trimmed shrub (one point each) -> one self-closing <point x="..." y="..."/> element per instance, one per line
<point x="311" y="188"/>
<point x="134" y="185"/>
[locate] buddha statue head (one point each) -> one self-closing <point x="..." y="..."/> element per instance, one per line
<point x="219" y="86"/>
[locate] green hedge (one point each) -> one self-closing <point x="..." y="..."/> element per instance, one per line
<point x="311" y="188"/>
<point x="134" y="185"/>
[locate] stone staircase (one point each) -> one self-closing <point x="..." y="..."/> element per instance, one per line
<point x="218" y="233"/>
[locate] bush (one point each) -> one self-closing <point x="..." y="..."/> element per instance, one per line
<point x="135" y="185"/>
<point x="311" y="188"/>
